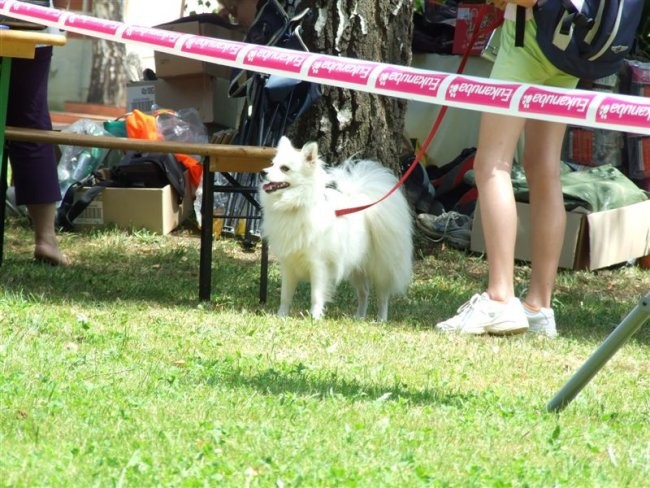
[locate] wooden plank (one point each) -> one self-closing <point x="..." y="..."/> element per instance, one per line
<point x="97" y="109"/>
<point x="236" y="163"/>
<point x="64" y="119"/>
<point x="75" y="5"/>
<point x="13" y="48"/>
<point x="223" y="157"/>
<point x="32" y="37"/>
<point x="22" y="44"/>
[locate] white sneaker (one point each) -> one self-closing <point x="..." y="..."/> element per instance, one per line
<point x="481" y="315"/>
<point x="541" y="322"/>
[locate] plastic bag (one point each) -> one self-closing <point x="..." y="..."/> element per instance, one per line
<point x="182" y="125"/>
<point x="219" y="204"/>
<point x="77" y="162"/>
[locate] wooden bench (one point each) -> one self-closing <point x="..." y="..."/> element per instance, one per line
<point x="217" y="158"/>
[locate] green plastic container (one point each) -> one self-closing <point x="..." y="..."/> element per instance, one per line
<point x="116" y="127"/>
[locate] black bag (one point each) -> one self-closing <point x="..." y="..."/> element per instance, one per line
<point x="418" y="189"/>
<point x="149" y="170"/>
<point x="588" y="42"/>
<point x="434" y="26"/>
<point x="135" y="170"/>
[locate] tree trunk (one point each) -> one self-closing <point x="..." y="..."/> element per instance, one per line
<point x="108" y="71"/>
<point x="347" y="122"/>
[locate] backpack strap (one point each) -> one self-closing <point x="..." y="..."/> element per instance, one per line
<point x="69" y="212"/>
<point x="520" y="26"/>
<point x="575" y="17"/>
<point x="69" y="209"/>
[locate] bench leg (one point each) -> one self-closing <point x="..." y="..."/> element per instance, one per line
<point x="5" y="75"/>
<point x="264" y="271"/>
<point x="626" y="329"/>
<point x="207" y="204"/>
<point x="205" y="259"/>
<point x="3" y="202"/>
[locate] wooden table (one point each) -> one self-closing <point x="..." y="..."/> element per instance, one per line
<point x="223" y="158"/>
<point x="218" y="158"/>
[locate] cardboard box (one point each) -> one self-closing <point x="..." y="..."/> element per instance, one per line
<point x="170" y="66"/>
<point x="591" y="241"/>
<point x="467" y="17"/>
<point x="141" y="95"/>
<point x="154" y="209"/>
<point x="208" y="95"/>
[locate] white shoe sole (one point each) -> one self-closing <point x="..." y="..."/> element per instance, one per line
<point x="506" y="328"/>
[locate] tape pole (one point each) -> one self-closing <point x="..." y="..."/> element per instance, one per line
<point x="598" y="110"/>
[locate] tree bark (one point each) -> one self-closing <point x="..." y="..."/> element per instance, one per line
<point x="347" y="122"/>
<point x="108" y="72"/>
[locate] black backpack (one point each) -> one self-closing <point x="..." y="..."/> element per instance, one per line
<point x="149" y="170"/>
<point x="589" y="42"/>
<point x="135" y="170"/>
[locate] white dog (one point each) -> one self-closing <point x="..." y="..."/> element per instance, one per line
<point x="370" y="248"/>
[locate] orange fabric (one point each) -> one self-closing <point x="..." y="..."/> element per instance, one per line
<point x="194" y="168"/>
<point x="143" y="126"/>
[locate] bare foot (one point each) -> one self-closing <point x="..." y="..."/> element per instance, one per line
<point x="48" y="254"/>
<point x="46" y="249"/>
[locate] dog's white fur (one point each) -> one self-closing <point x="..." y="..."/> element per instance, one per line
<point x="370" y="248"/>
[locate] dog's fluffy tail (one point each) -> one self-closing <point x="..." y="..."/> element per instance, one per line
<point x="389" y="223"/>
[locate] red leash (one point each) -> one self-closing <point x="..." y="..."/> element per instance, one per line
<point x="461" y="67"/>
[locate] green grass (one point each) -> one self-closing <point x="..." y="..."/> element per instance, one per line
<point x="112" y="373"/>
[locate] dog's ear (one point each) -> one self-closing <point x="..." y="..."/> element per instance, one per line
<point x="310" y="153"/>
<point x="284" y="144"/>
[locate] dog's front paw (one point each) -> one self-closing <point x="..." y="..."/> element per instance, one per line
<point x="317" y="313"/>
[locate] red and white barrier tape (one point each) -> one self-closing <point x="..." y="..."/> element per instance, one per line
<point x="577" y="107"/>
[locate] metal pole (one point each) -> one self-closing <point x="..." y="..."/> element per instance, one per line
<point x="639" y="315"/>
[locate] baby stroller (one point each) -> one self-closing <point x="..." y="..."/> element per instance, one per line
<point x="272" y="103"/>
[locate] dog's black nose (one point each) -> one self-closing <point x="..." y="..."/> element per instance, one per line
<point x="263" y="174"/>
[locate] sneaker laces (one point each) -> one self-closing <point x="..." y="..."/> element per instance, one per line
<point x="463" y="315"/>
<point x="453" y="218"/>
<point x="457" y="218"/>
<point x="468" y="307"/>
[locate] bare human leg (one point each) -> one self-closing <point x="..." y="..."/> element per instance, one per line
<point x="498" y="138"/>
<point x="548" y="217"/>
<point x="46" y="247"/>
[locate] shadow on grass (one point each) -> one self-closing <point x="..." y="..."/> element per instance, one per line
<point x="163" y="271"/>
<point x="111" y="266"/>
<point x="295" y="381"/>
